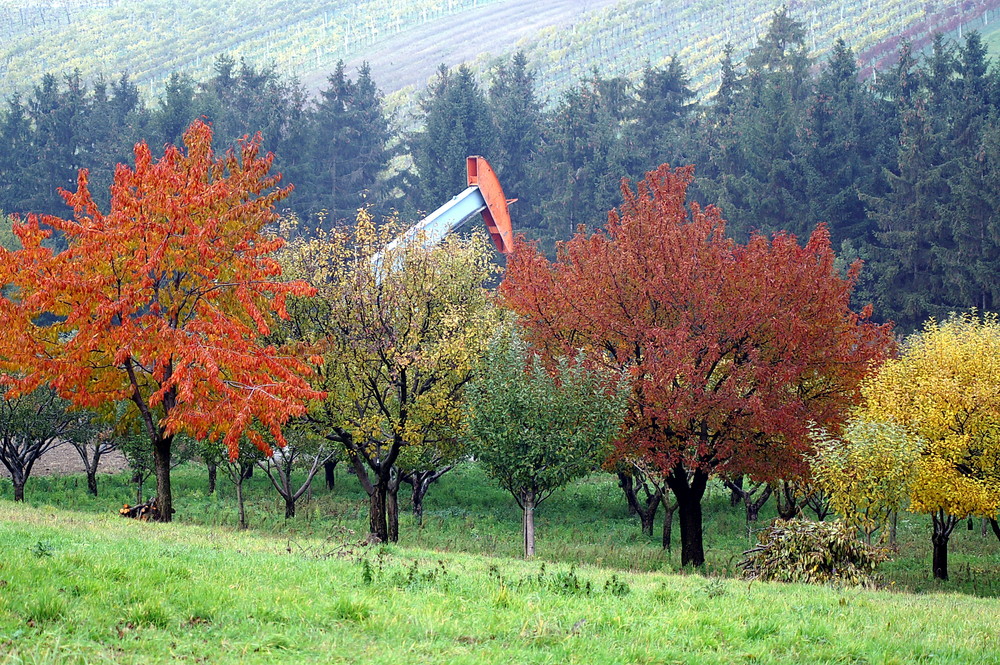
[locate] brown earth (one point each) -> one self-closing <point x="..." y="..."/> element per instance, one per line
<point x="64" y="460"/>
<point x="412" y="56"/>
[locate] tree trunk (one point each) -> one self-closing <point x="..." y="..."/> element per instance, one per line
<point x="421" y="482"/>
<point x="212" y="471"/>
<point x="646" y="519"/>
<point x="646" y="510"/>
<point x="377" y="526"/>
<point x="751" y="503"/>
<point x="689" y="495"/>
<point x="785" y="501"/>
<point x="996" y="528"/>
<point x="943" y="526"/>
<point x="668" y="523"/>
<point x="528" y="522"/>
<point x="392" y="511"/>
<point x="329" y="469"/>
<point x="940" y="564"/>
<point x="161" y="462"/>
<point x="736" y="495"/>
<point x="419" y="490"/>
<point x="289" y="507"/>
<point x="19" y="488"/>
<point x="240" y="502"/>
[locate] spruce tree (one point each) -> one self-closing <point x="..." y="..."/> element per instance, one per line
<point x="517" y="118"/>
<point x="347" y="147"/>
<point x="912" y="232"/>
<point x="457" y="123"/>
<point x="844" y="148"/>
<point x="663" y="106"/>
<point x="585" y="153"/>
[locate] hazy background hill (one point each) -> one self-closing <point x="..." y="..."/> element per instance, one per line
<point x="406" y="41"/>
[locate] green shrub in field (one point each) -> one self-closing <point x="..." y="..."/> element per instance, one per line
<point x="812" y="552"/>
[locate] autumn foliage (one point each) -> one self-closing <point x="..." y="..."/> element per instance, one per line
<point x="944" y="391"/>
<point x="733" y="348"/>
<point x="397" y="331"/>
<point x="161" y="302"/>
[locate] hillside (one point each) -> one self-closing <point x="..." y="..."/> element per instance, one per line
<point x="405" y="42"/>
<point x="83" y="589"/>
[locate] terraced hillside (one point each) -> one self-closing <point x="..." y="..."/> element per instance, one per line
<point x="406" y="41"/>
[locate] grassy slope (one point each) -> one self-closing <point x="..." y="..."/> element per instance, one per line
<point x="88" y="589"/>
<point x="991" y="37"/>
<point x="585" y="523"/>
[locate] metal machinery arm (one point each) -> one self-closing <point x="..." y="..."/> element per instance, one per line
<point x="484" y="195"/>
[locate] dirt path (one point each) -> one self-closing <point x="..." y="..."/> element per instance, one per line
<point x="412" y="56"/>
<point x="65" y="459"/>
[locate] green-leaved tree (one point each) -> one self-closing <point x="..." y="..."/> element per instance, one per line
<point x="535" y="428"/>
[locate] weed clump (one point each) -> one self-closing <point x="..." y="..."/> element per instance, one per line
<point x="813" y="553"/>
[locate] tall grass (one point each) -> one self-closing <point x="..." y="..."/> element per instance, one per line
<point x="117" y="591"/>
<point x="585" y="523"/>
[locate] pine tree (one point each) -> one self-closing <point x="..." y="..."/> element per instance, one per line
<point x="664" y="104"/>
<point x="175" y="111"/>
<point x="16" y="156"/>
<point x="457" y="123"/>
<point x="845" y="145"/>
<point x="56" y="116"/>
<point x="517" y="118"/>
<point x="912" y="231"/>
<point x="585" y="154"/>
<point x="347" y="148"/>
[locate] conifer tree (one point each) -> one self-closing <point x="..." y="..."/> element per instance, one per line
<point x="457" y="123"/>
<point x="517" y="117"/>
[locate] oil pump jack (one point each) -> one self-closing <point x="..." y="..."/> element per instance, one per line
<point x="484" y="195"/>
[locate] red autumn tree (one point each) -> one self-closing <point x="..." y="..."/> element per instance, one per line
<point x="734" y="348"/>
<point x="162" y="303"/>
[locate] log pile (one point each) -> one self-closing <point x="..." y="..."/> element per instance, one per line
<point x="143" y="511"/>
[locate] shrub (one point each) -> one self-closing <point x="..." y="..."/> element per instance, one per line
<point x="814" y="553"/>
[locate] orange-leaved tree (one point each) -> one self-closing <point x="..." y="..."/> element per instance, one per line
<point x="162" y="303"/>
<point x="733" y="348"/>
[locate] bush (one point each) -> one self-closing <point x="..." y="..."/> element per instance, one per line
<point x="814" y="553"/>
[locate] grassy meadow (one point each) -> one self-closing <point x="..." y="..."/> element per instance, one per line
<point x="78" y="584"/>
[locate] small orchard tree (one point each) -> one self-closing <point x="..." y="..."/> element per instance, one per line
<point x="32" y="424"/>
<point x="422" y="466"/>
<point x="944" y="391"/>
<point x="239" y="468"/>
<point x="643" y="491"/>
<point x="534" y="427"/>
<point x="866" y="473"/>
<point x="163" y="301"/>
<point x="91" y="449"/>
<point x="395" y="340"/>
<point x="304" y="450"/>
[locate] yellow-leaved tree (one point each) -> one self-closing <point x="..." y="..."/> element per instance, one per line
<point x="395" y="333"/>
<point x="944" y="390"/>
<point x="866" y="473"/>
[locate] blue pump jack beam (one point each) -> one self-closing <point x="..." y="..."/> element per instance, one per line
<point x="432" y="229"/>
<point x="484" y="195"/>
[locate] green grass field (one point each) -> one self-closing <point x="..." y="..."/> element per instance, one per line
<point x="991" y="38"/>
<point x="80" y="585"/>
